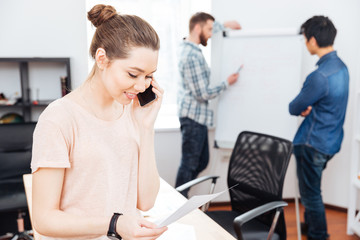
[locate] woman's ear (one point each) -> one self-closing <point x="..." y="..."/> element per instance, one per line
<point x="101" y="58"/>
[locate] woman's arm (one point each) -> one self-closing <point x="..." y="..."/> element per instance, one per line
<point x="148" y="176"/>
<point x="48" y="219"/>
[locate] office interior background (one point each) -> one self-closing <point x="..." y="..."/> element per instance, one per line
<point x="40" y="28"/>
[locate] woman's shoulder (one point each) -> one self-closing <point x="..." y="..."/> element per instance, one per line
<point x="54" y="108"/>
<point x="58" y="111"/>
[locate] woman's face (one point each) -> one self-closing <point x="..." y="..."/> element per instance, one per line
<point x="125" y="78"/>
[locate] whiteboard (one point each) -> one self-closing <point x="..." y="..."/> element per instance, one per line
<point x="269" y="80"/>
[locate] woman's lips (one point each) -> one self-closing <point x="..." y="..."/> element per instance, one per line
<point x="130" y="95"/>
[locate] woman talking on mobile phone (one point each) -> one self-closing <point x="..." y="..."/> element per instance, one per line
<point x="93" y="157"/>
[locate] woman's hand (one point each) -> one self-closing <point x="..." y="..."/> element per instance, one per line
<point x="145" y="116"/>
<point x="131" y="228"/>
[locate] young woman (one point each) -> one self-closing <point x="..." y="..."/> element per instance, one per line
<point x="93" y="158"/>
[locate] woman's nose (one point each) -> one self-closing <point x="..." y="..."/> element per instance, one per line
<point x="140" y="85"/>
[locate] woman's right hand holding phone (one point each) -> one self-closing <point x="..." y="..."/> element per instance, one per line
<point x="146" y="116"/>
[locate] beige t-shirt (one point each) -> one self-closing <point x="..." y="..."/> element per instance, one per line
<point x="100" y="158"/>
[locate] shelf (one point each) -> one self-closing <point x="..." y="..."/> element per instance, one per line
<point x="36" y="59"/>
<point x="11" y="106"/>
<point x="30" y="68"/>
<point x="42" y="103"/>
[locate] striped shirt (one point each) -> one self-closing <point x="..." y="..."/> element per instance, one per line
<point x="194" y="91"/>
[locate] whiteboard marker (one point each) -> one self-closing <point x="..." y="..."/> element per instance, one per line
<point x="239" y="69"/>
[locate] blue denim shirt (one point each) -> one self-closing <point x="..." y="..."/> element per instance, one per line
<point x="326" y="90"/>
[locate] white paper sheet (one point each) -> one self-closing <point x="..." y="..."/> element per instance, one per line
<point x="192" y="204"/>
<point x="164" y="206"/>
<point x="178" y="231"/>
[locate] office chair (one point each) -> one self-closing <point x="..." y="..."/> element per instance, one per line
<point x="257" y="168"/>
<point x="15" y="157"/>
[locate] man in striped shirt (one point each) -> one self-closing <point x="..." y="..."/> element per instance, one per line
<point x="194" y="95"/>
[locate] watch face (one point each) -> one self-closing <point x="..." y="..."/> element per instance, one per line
<point x="113" y="237"/>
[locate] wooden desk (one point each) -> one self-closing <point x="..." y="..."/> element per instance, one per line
<point x="28" y="191"/>
<point x="205" y="227"/>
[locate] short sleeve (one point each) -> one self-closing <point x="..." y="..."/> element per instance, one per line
<point x="50" y="148"/>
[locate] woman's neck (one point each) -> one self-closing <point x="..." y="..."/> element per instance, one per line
<point x="98" y="101"/>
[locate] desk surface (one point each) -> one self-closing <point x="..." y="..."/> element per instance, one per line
<point x="28" y="191"/>
<point x="205" y="227"/>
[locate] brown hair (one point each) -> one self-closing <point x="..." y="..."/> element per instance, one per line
<point x="199" y="17"/>
<point x="117" y="34"/>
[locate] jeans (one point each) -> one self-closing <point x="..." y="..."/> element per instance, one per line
<point x="310" y="165"/>
<point x="195" y="151"/>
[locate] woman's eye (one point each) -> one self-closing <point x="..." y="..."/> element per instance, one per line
<point x="149" y="77"/>
<point x="132" y="75"/>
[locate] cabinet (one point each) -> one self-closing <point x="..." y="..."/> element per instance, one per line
<point x="37" y="81"/>
<point x="353" y="221"/>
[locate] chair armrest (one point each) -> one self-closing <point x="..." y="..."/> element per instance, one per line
<point x="243" y="218"/>
<point x="196" y="181"/>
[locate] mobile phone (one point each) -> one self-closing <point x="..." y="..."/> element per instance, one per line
<point x="147" y="96"/>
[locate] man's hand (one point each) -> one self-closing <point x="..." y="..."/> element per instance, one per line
<point x="232" y="25"/>
<point x="306" y="112"/>
<point x="233" y="78"/>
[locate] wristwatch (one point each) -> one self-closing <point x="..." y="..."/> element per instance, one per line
<point x="112" y="234"/>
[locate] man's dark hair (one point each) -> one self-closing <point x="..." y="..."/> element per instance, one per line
<point x="321" y="28"/>
<point x="199" y="17"/>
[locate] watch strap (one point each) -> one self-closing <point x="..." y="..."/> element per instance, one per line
<point x="112" y="227"/>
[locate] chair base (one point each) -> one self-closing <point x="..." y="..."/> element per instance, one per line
<point x="27" y="235"/>
<point x="22" y="236"/>
<point x="7" y="236"/>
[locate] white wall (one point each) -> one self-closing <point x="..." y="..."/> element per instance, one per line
<point x="262" y="14"/>
<point x="168" y="152"/>
<point x="41" y="28"/>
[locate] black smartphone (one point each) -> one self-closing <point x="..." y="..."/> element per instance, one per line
<point x="147" y="96"/>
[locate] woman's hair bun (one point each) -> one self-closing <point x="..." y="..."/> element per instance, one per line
<point x="101" y="13"/>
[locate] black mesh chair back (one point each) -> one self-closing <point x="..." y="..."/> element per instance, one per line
<point x="15" y="150"/>
<point x="15" y="157"/>
<point x="258" y="165"/>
